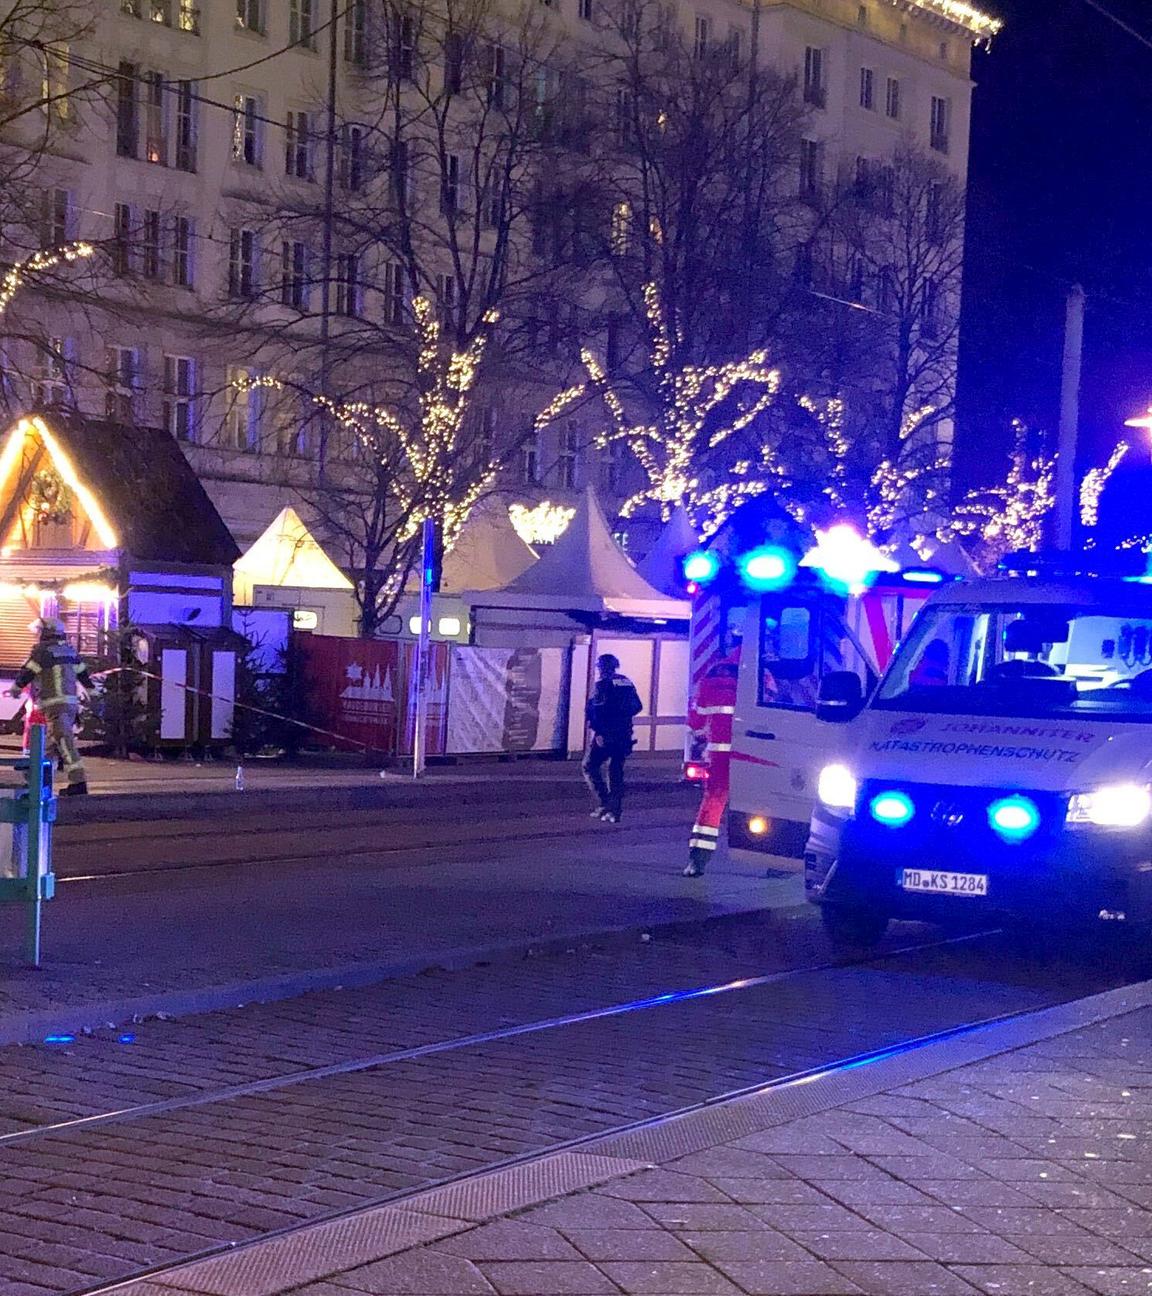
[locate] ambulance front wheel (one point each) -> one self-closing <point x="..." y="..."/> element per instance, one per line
<point x="853" y="926"/>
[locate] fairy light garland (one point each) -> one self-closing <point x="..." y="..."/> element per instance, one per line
<point x="17" y="276"/>
<point x="1092" y="486"/>
<point x="669" y="448"/>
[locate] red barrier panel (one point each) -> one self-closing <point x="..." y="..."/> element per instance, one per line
<point x="360" y="688"/>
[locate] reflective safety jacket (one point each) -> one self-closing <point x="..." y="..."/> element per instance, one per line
<point x="714" y="708"/>
<point x="52" y="672"/>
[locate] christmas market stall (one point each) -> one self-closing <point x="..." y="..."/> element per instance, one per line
<point x="108" y="528"/>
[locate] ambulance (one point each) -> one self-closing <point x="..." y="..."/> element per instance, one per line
<point x="1000" y="770"/>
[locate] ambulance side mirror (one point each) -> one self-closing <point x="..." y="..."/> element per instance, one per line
<point x="841" y="697"/>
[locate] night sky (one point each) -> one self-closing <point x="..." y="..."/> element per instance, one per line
<point x="1060" y="187"/>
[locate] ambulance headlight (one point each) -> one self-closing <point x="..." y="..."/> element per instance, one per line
<point x="837" y="787"/>
<point x="1122" y="805"/>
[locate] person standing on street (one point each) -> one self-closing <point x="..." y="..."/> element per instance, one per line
<point x="712" y="713"/>
<point x="51" y="675"/>
<point x="611" y="709"/>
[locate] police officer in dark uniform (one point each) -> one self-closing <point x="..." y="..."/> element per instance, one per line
<point x="610" y="711"/>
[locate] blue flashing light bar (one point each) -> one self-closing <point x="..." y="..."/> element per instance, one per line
<point x="768" y="568"/>
<point x="701" y="567"/>
<point x="924" y="576"/>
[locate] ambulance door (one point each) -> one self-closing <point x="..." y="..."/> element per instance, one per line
<point x="778" y="744"/>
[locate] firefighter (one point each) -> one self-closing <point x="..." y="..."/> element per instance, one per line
<point x="51" y="674"/>
<point x="611" y="709"/>
<point x="712" y="713"/>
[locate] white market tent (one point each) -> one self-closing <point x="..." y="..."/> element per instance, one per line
<point x="288" y="556"/>
<point x="661" y="566"/>
<point x="489" y="553"/>
<point x="587" y="571"/>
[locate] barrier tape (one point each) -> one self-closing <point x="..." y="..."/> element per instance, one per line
<point x="244" y="706"/>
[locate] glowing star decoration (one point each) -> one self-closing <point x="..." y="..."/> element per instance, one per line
<point x="846" y="559"/>
<point x="1093" y="483"/>
<point x="542" y="525"/>
<point x="698" y="408"/>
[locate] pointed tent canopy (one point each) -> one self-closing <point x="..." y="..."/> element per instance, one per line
<point x="661" y="565"/>
<point x="488" y="554"/>
<point x="286" y="555"/>
<point x="587" y="571"/>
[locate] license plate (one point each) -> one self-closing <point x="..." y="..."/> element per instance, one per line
<point x="957" y="884"/>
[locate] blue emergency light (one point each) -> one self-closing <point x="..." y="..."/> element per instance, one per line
<point x="1014" y="818"/>
<point x="893" y="809"/>
<point x="768" y="568"/>
<point x="701" y="567"/>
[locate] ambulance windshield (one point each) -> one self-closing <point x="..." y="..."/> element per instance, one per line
<point x="1030" y="660"/>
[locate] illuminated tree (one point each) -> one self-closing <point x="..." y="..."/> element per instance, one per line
<point x="696" y="412"/>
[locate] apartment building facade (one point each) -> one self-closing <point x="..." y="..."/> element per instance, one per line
<point x="218" y="110"/>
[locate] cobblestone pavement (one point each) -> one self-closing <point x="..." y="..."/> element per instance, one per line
<point x="1027" y="1174"/>
<point x="85" y="1205"/>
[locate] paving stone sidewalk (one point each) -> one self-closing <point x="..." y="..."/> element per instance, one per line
<point x="1025" y="1174"/>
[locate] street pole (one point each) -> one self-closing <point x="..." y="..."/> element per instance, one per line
<point x="326" y="249"/>
<point x="1069" y="430"/>
<point x="423" y="648"/>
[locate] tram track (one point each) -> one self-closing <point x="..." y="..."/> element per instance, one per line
<point x="375" y="1127"/>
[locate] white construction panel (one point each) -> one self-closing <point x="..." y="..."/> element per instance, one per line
<point x="173" y="696"/>
<point x="223" y="693"/>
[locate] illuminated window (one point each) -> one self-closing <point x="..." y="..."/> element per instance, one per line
<point x="243" y="426"/>
<point x="247" y="130"/>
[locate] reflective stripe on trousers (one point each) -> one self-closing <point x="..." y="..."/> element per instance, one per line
<point x="713" y="802"/>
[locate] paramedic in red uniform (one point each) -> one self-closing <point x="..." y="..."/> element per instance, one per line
<point x="712" y="712"/>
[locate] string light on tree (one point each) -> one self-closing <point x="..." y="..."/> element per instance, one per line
<point x="692" y="418"/>
<point x="18" y="275"/>
<point x="1092" y="486"/>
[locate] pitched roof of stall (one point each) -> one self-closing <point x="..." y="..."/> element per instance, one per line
<point x="587" y="571"/>
<point x="149" y="491"/>
<point x="489" y="552"/>
<point x="661" y="566"/>
<point x="290" y="556"/>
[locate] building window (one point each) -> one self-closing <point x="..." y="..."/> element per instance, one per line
<point x="861" y="16"/>
<point x="55" y="218"/>
<point x="127" y="120"/>
<point x="401" y="173"/>
<point x="943" y="51"/>
<point x="736" y="45"/>
<point x="811" y="167"/>
<point x="122" y="373"/>
<point x="155" y="136"/>
<point x="180" y="396"/>
<point x="246" y="401"/>
<point x="183" y="234"/>
<point x="446" y="300"/>
<point x="892" y="99"/>
<point x="349" y="289"/>
<point x="131" y="8"/>
<point x="160" y="11"/>
<point x="291" y="429"/>
<point x="934" y="212"/>
<point x="301" y="25"/>
<point x="867" y="88"/>
<point x="394" y="293"/>
<point x="243" y="276"/>
<point x="246" y="130"/>
<point x="568" y="463"/>
<point x="188" y="18"/>
<point x="931" y="322"/>
<point x="352" y="157"/>
<point x="52" y="386"/>
<point x="150" y="241"/>
<point x="298" y="146"/>
<point x="530" y="458"/>
<point x="185" y="126"/>
<point x="620" y="234"/>
<point x="450" y="185"/>
<point x="356" y="32"/>
<point x="403" y="47"/>
<point x="497" y="75"/>
<point x="250" y="15"/>
<point x="584" y="8"/>
<point x="453" y="63"/>
<point x="815" y="91"/>
<point x="940" y="123"/>
<point x="701" y="36"/>
<point x="122" y="239"/>
<point x="294" y="274"/>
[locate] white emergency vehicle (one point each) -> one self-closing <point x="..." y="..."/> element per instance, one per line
<point x="1002" y="767"/>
